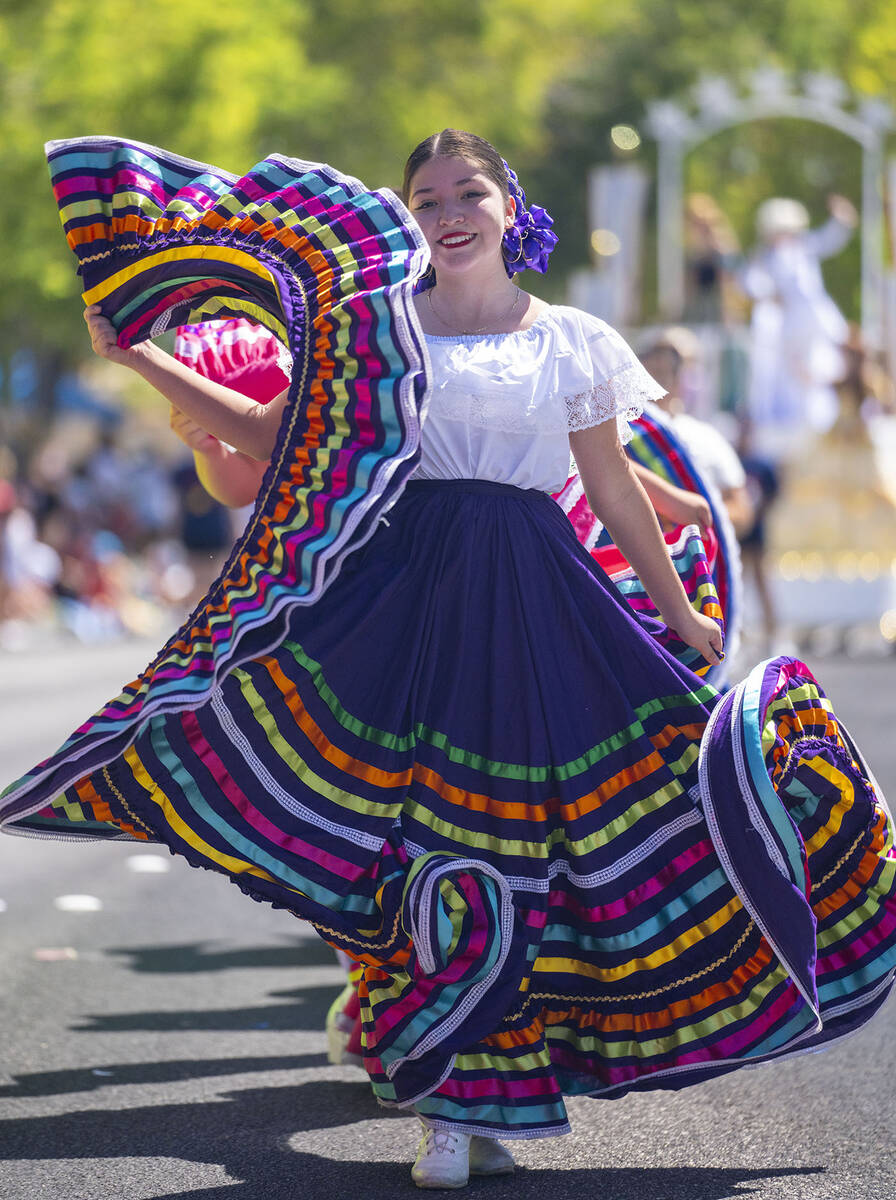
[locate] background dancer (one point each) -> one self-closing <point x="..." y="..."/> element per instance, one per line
<point x="797" y="330"/>
<point x="664" y="357"/>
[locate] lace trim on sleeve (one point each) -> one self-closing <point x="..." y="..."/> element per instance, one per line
<point x="623" y="396"/>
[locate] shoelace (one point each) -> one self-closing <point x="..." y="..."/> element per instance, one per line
<point x="441" y="1141"/>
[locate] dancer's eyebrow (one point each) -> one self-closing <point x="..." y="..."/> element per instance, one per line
<point x="457" y="183"/>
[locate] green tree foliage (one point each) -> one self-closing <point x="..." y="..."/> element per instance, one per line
<point x="659" y="50"/>
<point x="359" y="82"/>
<point x="353" y="83"/>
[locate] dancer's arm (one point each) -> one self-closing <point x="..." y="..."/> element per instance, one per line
<point x="739" y="507"/>
<point x="672" y="503"/>
<point x="227" y="415"/>
<point x="620" y="502"/>
<point x="832" y="237"/>
<point x="228" y="475"/>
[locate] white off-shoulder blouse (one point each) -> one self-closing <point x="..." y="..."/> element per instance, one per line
<point x="503" y="405"/>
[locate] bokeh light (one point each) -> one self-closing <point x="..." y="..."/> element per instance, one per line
<point x="605" y="243"/>
<point x="625" y="137"/>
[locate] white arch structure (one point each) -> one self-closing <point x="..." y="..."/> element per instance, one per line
<point x="678" y="129"/>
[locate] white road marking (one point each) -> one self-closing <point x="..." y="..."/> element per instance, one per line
<point x="76" y="903"/>
<point x="149" y="864"/>
<point x="54" y="953"/>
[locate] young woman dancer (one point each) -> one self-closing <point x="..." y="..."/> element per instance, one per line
<point x="415" y="712"/>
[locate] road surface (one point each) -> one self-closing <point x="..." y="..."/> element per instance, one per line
<point x="163" y="1037"/>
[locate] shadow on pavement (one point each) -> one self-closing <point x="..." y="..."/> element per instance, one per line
<point x="248" y="1132"/>
<point x="386" y="1181"/>
<point x="91" y="1079"/>
<point x="193" y="957"/>
<point x="306" y="1010"/>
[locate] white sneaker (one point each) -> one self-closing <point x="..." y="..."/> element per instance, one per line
<point x="489" y="1157"/>
<point x="442" y="1159"/>
<point x="339" y="1030"/>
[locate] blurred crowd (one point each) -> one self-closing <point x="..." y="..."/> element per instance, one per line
<point x="103" y="535"/>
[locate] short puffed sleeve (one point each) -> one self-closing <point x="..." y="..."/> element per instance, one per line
<point x="599" y="375"/>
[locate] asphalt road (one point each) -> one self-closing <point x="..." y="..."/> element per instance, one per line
<point x="163" y="1038"/>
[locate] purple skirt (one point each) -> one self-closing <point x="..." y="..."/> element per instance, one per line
<point x="565" y="863"/>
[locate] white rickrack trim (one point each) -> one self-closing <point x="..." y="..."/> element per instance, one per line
<point x="721" y="846"/>
<point x="161" y="323"/>
<point x="561" y="866"/>
<point x="420" y="900"/>
<point x="591" y="540"/>
<point x="572" y="493"/>
<point x="270" y="785"/>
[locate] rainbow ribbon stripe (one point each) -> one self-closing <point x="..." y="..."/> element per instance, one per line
<point x="656" y="446"/>
<point x="692" y="567"/>
<point x="327" y="266"/>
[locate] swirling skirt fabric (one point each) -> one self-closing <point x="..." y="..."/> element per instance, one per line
<point x="564" y="862"/>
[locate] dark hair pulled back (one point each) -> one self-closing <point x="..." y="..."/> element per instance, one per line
<point x="456" y="143"/>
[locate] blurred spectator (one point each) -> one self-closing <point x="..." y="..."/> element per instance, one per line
<point x="711" y="248"/>
<point x="665" y="356"/>
<point x="841" y="495"/>
<point x="797" y="329"/>
<point x="205" y="528"/>
<point x="763" y="486"/>
<point x="92" y="540"/>
<point x="29" y="569"/>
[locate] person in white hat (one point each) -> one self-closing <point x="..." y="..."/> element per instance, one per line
<point x="797" y="329"/>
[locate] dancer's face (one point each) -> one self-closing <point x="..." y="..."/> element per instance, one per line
<point x="664" y="364"/>
<point x="462" y="213"/>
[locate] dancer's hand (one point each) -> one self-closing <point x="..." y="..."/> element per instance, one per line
<point x="681" y="507"/>
<point x="703" y="634"/>
<point x="190" y="433"/>
<point x="104" y="339"/>
<point x="843" y="210"/>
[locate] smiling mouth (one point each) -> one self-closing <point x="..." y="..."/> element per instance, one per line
<point x="454" y="240"/>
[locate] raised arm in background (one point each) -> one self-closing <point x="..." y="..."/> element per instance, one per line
<point x="228" y="415"/>
<point x="230" y="476"/>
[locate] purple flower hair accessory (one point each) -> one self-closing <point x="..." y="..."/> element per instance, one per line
<point x="529" y="240"/>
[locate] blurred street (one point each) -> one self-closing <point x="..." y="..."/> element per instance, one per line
<point x="163" y="1037"/>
